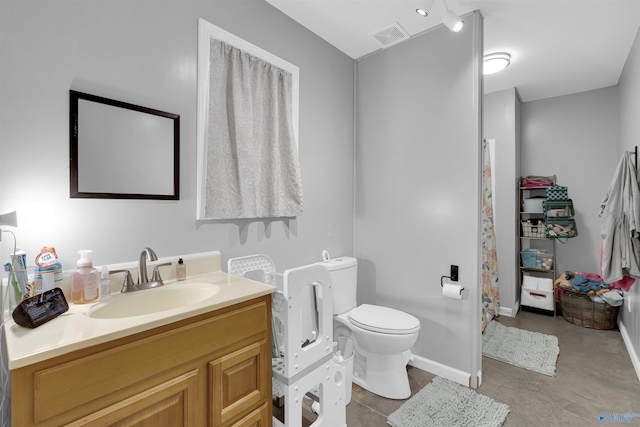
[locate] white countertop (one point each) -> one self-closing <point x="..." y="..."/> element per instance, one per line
<point x="75" y="330"/>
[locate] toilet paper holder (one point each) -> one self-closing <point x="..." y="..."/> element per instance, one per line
<point x="453" y="276"/>
<point x="447" y="277"/>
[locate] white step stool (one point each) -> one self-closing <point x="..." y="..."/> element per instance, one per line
<point x="304" y="367"/>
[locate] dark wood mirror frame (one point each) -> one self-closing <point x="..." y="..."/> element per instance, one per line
<point x="80" y="131"/>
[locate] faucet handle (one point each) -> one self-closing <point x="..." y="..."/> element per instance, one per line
<point x="156" y="272"/>
<point x="127" y="284"/>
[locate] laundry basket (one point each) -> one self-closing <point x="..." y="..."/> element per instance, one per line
<point x="581" y="310"/>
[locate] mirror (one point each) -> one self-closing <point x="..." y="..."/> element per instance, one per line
<point x="122" y="151"/>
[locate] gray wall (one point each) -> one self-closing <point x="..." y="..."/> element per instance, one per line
<point x="417" y="186"/>
<point x="574" y="137"/>
<point x="145" y="53"/>
<point x="629" y="138"/>
<point x="501" y="117"/>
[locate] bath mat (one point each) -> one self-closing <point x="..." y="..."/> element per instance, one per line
<point x="444" y="403"/>
<point x="529" y="350"/>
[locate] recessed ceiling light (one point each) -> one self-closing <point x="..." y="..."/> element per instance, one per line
<point x="421" y="12"/>
<point x="494" y="62"/>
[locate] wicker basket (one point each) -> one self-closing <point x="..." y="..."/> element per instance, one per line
<point x="581" y="310"/>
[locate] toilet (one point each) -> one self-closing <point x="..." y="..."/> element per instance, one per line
<point x="382" y="336"/>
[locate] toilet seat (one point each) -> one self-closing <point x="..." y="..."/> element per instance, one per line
<point x="384" y="320"/>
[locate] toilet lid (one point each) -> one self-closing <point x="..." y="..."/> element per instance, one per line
<point x="383" y="319"/>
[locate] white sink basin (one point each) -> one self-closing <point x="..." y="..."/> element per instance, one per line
<point x="156" y="300"/>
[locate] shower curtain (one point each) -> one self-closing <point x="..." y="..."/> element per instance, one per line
<point x="490" y="290"/>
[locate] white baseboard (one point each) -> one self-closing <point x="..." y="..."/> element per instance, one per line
<point x="444" y="371"/>
<point x="505" y="312"/>
<point x="627" y="342"/>
<point x="509" y="312"/>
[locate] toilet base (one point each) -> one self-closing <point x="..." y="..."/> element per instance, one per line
<point x="385" y="375"/>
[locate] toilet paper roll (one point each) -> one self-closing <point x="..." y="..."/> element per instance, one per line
<point x="449" y="290"/>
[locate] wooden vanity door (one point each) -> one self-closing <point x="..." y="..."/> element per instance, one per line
<point x="173" y="403"/>
<point x="258" y="418"/>
<point x="238" y="387"/>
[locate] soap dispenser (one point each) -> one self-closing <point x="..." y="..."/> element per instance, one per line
<point x="85" y="280"/>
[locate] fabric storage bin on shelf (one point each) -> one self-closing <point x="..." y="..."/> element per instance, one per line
<point x="537" y="292"/>
<point x="533" y="228"/>
<point x="533" y="204"/>
<point x="537" y="283"/>
<point x="558" y="208"/>
<point x="581" y="310"/>
<point x="560" y="228"/>
<point x="537" y="299"/>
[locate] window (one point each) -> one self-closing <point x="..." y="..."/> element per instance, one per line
<point x="247" y="130"/>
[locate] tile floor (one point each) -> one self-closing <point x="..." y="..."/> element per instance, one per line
<point x="594" y="374"/>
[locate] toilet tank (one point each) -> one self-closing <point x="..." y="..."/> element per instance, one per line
<point x="344" y="276"/>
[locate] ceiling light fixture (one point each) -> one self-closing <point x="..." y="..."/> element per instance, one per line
<point x="494" y="62"/>
<point x="424" y="8"/>
<point x="451" y="20"/>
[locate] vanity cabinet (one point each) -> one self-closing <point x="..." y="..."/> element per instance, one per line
<point x="213" y="369"/>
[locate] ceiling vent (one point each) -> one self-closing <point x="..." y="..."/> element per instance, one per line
<point x="390" y="35"/>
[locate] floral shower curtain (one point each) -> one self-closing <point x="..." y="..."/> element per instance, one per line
<point x="490" y="290"/>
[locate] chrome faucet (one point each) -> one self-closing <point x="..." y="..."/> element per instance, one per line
<point x="147" y="254"/>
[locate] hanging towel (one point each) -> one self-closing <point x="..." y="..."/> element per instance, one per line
<point x="620" y="224"/>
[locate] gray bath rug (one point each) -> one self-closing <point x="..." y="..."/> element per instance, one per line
<point x="529" y="350"/>
<point x="444" y="403"/>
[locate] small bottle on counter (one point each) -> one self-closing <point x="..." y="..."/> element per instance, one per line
<point x="105" y="283"/>
<point x="49" y="272"/>
<point x="181" y="270"/>
<point x="85" y="280"/>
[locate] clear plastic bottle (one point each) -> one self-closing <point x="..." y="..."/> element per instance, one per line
<point x="85" y="280"/>
<point x="105" y="283"/>
<point x="181" y="270"/>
